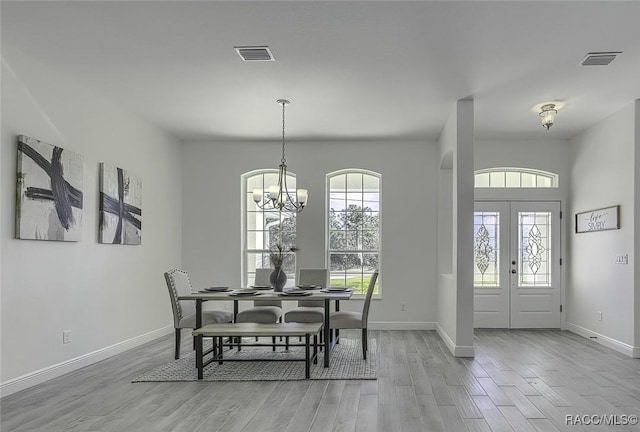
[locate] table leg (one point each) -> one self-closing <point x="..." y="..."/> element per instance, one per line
<point x="235" y="319"/>
<point x="199" y="359"/>
<point x="198" y="313"/>
<point x="307" y="362"/>
<point x="327" y="338"/>
<point x="199" y="338"/>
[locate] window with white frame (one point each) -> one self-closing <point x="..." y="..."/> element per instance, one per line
<point x="353" y="228"/>
<point x="262" y="229"/>
<point x="515" y="178"/>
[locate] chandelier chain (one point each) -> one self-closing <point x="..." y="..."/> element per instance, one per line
<point x="283" y="160"/>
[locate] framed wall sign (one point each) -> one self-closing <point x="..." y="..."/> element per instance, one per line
<point x="598" y="220"/>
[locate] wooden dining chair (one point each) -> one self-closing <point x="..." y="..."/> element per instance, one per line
<point x="184" y="311"/>
<point x="356" y="320"/>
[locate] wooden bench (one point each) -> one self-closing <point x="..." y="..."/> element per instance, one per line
<point x="240" y="330"/>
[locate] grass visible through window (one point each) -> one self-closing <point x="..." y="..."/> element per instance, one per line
<point x="358" y="283"/>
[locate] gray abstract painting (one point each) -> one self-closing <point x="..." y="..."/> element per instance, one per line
<point x="120" y="206"/>
<point x="48" y="192"/>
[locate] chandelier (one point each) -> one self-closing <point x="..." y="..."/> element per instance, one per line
<point x="278" y="196"/>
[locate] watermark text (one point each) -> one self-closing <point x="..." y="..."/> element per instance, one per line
<point x="600" y="419"/>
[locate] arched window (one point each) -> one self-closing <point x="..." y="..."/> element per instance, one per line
<point x="264" y="228"/>
<point x="515" y="178"/>
<point x="353" y="228"/>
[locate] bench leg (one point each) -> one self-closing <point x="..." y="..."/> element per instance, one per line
<point x="199" y="359"/>
<point x="273" y="340"/>
<point x="221" y="350"/>
<point x="307" y="362"/>
<point x="286" y="343"/>
<point x="315" y="349"/>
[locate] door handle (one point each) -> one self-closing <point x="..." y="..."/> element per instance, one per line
<point x="513" y="271"/>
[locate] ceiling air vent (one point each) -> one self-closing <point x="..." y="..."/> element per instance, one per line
<point x="255" y="53"/>
<point x="599" y="58"/>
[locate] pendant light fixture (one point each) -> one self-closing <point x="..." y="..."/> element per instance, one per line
<point x="278" y="196"/>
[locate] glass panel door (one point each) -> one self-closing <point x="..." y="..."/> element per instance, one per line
<point x="535" y="276"/>
<point x="516" y="265"/>
<point x="490" y="265"/>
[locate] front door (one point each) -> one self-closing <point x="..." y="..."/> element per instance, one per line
<point x="517" y="265"/>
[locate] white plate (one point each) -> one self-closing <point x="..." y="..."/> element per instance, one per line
<point x="244" y="291"/>
<point x="308" y="287"/>
<point x="261" y="287"/>
<point x="244" y="294"/>
<point x="295" y="293"/>
<point x="217" y="289"/>
<point x="336" y="289"/>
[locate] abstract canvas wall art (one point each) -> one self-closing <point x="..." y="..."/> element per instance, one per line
<point x="49" y="192"/>
<point x="120" y="206"/>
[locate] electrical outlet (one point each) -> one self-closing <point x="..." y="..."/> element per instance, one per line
<point x="66" y="337"/>
<point x="403" y="307"/>
<point x="599" y="315"/>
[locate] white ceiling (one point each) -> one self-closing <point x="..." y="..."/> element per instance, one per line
<point x="353" y="70"/>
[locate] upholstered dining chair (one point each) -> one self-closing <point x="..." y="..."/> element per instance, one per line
<point x="356" y="320"/>
<point x="309" y="311"/>
<point x="184" y="311"/>
<point x="263" y="311"/>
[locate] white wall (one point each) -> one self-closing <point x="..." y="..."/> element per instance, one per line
<point x="603" y="175"/>
<point x="212" y="215"/>
<point x="107" y="295"/>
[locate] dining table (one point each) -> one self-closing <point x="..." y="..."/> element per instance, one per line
<point x="326" y="296"/>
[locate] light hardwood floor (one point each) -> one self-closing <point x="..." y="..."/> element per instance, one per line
<point x="519" y="381"/>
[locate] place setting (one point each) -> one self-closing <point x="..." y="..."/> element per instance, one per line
<point x="336" y="289"/>
<point x="216" y="289"/>
<point x="295" y="292"/>
<point x="244" y="292"/>
<point x="308" y="287"/>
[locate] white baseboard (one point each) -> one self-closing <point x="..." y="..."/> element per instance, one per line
<point x="614" y="344"/>
<point x="38" y="377"/>
<point x="456" y="350"/>
<point x="393" y="325"/>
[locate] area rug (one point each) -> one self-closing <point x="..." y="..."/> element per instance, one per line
<point x="346" y="364"/>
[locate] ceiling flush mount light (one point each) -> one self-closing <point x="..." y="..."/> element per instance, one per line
<point x="278" y="196"/>
<point x="548" y="111"/>
<point x="548" y="114"/>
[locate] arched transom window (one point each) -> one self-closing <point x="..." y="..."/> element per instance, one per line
<point x="515" y="178"/>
